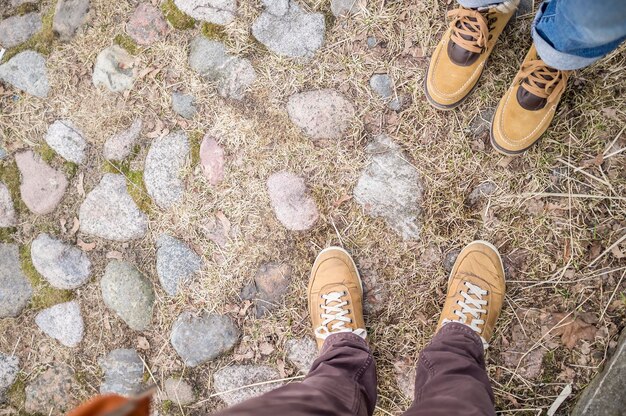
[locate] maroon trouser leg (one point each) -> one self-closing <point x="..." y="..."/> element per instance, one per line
<point x="451" y="380"/>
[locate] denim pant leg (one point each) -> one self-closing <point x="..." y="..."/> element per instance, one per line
<point x="342" y="382"/>
<point x="474" y="4"/>
<point x="572" y="34"/>
<point x="451" y="378"/>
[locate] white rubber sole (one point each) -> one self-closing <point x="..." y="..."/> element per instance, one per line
<point x="327" y="249"/>
<point x="486" y="243"/>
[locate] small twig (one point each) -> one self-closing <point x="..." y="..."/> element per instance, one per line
<point x="612" y="295"/>
<point x="561" y="195"/>
<point x="581" y="170"/>
<point x="607" y="250"/>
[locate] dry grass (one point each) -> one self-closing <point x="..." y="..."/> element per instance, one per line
<point x="548" y="253"/>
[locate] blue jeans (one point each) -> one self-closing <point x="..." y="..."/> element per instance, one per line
<point x="572" y="34"/>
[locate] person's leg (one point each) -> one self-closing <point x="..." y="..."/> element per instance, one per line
<point x="573" y="34"/>
<point x="451" y="377"/>
<point x="342" y="381"/>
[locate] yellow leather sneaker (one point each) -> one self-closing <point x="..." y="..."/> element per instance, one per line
<point x="527" y="109"/>
<point x="335" y="295"/>
<point x="460" y="56"/>
<point x="475" y="290"/>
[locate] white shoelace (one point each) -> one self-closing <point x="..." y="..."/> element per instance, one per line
<point x="335" y="311"/>
<point x="471" y="306"/>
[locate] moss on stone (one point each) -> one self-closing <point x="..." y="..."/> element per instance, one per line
<point x="178" y="19"/>
<point x="16" y="394"/>
<point x="10" y="176"/>
<point x="42" y="41"/>
<point x="127" y="43"/>
<point x="44" y="295"/>
<point x="214" y="32"/>
<point x="134" y="183"/>
<point x="167" y="406"/>
<point x="6" y="234"/>
<point x="47" y="153"/>
<point x="195" y="138"/>
<point x="70" y="168"/>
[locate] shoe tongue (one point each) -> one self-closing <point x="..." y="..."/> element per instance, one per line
<point x="460" y="55"/>
<point x="529" y="101"/>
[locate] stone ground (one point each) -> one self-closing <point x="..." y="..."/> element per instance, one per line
<point x="166" y="181"/>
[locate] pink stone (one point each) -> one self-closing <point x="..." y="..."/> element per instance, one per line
<point x="146" y="25"/>
<point x="212" y="160"/>
<point x="294" y="208"/>
<point x="42" y="186"/>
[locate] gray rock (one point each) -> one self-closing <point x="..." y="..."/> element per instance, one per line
<point x="405" y="373"/>
<point x="184" y="104"/>
<point x="321" y="114"/>
<point x="276" y="7"/>
<point x="62" y="322"/>
<point x="391" y="188"/>
<point x="524" y="7"/>
<point x="164" y="163"/>
<point x="51" y="392"/>
<point x="42" y="187"/>
<point x="3" y="152"/>
<point x="26" y="71"/>
<point x="371" y="42"/>
<point x="270" y="285"/>
<point x="382" y="84"/>
<point x="146" y="25"/>
<point x="295" y="34"/>
<point x="346" y="7"/>
<point x="232" y="74"/>
<point x="69" y="15"/>
<point x="236" y="376"/>
<point x="179" y="391"/>
<point x="7" y="211"/>
<point x="482" y="191"/>
<point x="114" y="69"/>
<point x="176" y="264"/>
<point x="128" y="293"/>
<point x="9" y="367"/>
<point x="604" y="396"/>
<point x="198" y="339"/>
<point x="62" y="265"/>
<point x="450" y="259"/>
<point x="109" y="212"/>
<point x="18" y="29"/>
<point x="123" y="372"/>
<point x="15" y="289"/>
<point x="17" y="3"/>
<point x="65" y="139"/>
<point x="119" y="146"/>
<point x="292" y="204"/>
<point x="302" y="352"/>
<point x="220" y="12"/>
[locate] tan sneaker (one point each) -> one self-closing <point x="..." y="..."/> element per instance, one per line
<point x="460" y="56"/>
<point x="528" y="107"/>
<point x="335" y="295"/>
<point x="475" y="290"/>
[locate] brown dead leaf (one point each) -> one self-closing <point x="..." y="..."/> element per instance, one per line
<point x="535" y="206"/>
<point x="85" y="246"/>
<point x="505" y="161"/>
<point x="80" y="185"/>
<point x="75" y="227"/>
<point x="266" y="348"/>
<point x="594" y="250"/>
<point x="115" y="255"/>
<point x="63" y="222"/>
<point x="572" y="329"/>
<point x="280" y="366"/>
<point x="596" y="161"/>
<point x="244" y="309"/>
<point x="142" y="343"/>
<point x="617" y="252"/>
<point x="341" y="200"/>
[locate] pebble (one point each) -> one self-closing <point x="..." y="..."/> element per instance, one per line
<point x="270" y="285"/>
<point x="67" y="140"/>
<point x="50" y="393"/>
<point x="42" y="187"/>
<point x="62" y="322"/>
<point x="431" y="256"/>
<point x="347" y="7"/>
<point x="15" y="289"/>
<point x="212" y="160"/>
<point x="184" y="104"/>
<point x="69" y="15"/>
<point x="109" y="212"/>
<point x="7" y="211"/>
<point x="164" y="163"/>
<point x="179" y="391"/>
<point x="198" y="339"/>
<point x="26" y="71"/>
<point x="62" y="265"/>
<point x="302" y="352"/>
<point x="114" y="69"/>
<point x="220" y="12"/>
<point x="176" y="264"/>
<point x="482" y="191"/>
<point x="18" y="29"/>
<point x="294" y="33"/>
<point x="321" y="114"/>
<point x="391" y="188"/>
<point x="9" y="367"/>
<point x="450" y="259"/>
<point x="382" y="84"/>
<point x="146" y="25"/>
<point x="232" y="74"/>
<point x="3" y="152"/>
<point x="119" y="146"/>
<point x="372" y="42"/>
<point x="293" y="207"/>
<point x="236" y="376"/>
<point x="128" y="293"/>
<point x="123" y="372"/>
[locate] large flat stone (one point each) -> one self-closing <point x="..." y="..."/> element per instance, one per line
<point x="62" y="322"/>
<point x="62" y="265"/>
<point x="50" y="393"/>
<point x="119" y="146"/>
<point x="9" y="367"/>
<point x="220" y="12"/>
<point x="67" y="140"/>
<point x="292" y="204"/>
<point x="123" y="372"/>
<point x="18" y="29"/>
<point x="176" y="264"/>
<point x="237" y="376"/>
<point x="69" y="15"/>
<point x="42" y="186"/>
<point x="163" y="169"/>
<point x="15" y="289"/>
<point x="7" y="210"/>
<point x="321" y="114"/>
<point x="114" y="69"/>
<point x="27" y="71"/>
